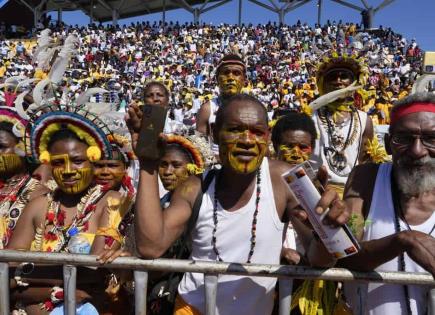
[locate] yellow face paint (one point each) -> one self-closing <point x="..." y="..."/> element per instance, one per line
<point x="244" y="150"/>
<point x="294" y="154"/>
<point x="10" y="163"/>
<point x="231" y="79"/>
<point x="69" y="179"/>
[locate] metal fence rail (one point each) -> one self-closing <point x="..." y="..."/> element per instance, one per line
<point x="209" y="269"/>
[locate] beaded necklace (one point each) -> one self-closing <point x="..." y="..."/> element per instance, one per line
<point x="254" y="219"/>
<point x="55" y="217"/>
<point x="399" y="213"/>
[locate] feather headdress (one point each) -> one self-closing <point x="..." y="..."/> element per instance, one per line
<point x="48" y="119"/>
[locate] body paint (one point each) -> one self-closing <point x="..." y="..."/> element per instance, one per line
<point x="69" y="180"/>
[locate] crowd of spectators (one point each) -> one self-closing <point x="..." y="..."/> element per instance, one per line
<point x="281" y="61"/>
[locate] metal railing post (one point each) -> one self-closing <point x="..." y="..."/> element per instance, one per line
<point x="211" y="282"/>
<point x="140" y="292"/>
<point x="431" y="302"/>
<point x="69" y="288"/>
<point x="4" y="289"/>
<point x="285" y="295"/>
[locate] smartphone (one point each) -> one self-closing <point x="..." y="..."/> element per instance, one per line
<point x="153" y="122"/>
<point x="429" y="62"/>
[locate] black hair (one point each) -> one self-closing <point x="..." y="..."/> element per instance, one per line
<point x="293" y="121"/>
<point x="63" y="134"/>
<point x="8" y="127"/>
<point x="238" y="98"/>
<point x="159" y="84"/>
<point x="179" y="148"/>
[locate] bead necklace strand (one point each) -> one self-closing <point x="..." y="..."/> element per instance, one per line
<point x="254" y="220"/>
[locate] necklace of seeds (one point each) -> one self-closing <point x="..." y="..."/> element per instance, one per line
<point x="254" y="220"/>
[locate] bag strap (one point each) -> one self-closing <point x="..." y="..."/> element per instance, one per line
<point x="205" y="183"/>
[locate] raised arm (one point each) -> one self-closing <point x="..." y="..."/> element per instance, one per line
<point x="155" y="229"/>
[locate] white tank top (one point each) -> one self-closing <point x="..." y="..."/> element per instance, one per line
<point x="385" y="299"/>
<point x="214" y="106"/>
<point x="320" y="157"/>
<point x="236" y="294"/>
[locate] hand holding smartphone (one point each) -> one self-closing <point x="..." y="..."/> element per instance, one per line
<point x="152" y="125"/>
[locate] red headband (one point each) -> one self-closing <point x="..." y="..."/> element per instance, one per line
<point x="411" y="108"/>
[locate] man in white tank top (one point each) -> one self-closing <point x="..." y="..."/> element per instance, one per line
<point x="397" y="202"/>
<point x="343" y="130"/>
<point x="240" y="216"/>
<point x="231" y="78"/>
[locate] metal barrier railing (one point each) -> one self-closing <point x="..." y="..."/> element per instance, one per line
<point x="211" y="270"/>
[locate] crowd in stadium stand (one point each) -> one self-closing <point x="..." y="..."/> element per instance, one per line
<point x="84" y="168"/>
<point x="281" y="61"/>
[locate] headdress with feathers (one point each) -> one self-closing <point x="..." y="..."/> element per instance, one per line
<point x="48" y="119"/>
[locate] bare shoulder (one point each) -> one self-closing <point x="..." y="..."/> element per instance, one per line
<point x="361" y="180"/>
<point x="277" y="168"/>
<point x="37" y="207"/>
<point x="188" y="190"/>
<point x="359" y="188"/>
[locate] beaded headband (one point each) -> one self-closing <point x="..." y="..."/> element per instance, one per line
<point x="48" y="119"/>
<point x="197" y="167"/>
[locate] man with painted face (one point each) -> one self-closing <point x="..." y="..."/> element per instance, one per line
<point x="240" y="216"/>
<point x="343" y="129"/>
<point x="396" y="201"/>
<point x="231" y="77"/>
<point x="294" y="138"/>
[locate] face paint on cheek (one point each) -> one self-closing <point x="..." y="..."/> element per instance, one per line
<point x="239" y="164"/>
<point x="10" y="163"/>
<point x="293" y="155"/>
<point x="69" y="180"/>
<point x="73" y="182"/>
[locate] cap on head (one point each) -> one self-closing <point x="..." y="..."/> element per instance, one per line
<point x="230" y="59"/>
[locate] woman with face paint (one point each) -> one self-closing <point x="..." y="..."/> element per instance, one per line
<point x="17" y="187"/>
<point x="70" y="142"/>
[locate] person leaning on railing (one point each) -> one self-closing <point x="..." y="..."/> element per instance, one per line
<point x="240" y="217"/>
<point x="394" y="205"/>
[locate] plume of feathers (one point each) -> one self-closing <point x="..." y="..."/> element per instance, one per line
<point x="44" y="50"/>
<point x="39" y="91"/>
<point x="86" y="95"/>
<point x="61" y="63"/>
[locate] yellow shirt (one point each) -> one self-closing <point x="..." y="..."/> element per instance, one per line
<point x="2" y="71"/>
